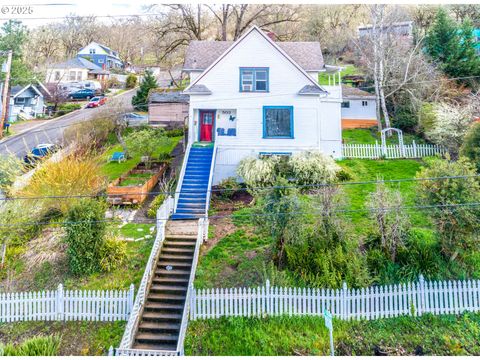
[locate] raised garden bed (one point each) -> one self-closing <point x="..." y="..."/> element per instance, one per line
<point x="133" y="187"/>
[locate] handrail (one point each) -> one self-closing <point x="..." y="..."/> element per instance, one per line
<point x="163" y="213"/>
<point x="190" y="290"/>
<point x="210" y="179"/>
<point x="182" y="175"/>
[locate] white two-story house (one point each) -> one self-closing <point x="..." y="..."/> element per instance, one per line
<point x="257" y="96"/>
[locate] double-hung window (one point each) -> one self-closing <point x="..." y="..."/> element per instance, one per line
<point x="278" y="122"/>
<point x="253" y="79"/>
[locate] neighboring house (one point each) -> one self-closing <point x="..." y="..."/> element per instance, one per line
<point x="101" y="55"/>
<point x="26" y="101"/>
<point x="404" y="28"/>
<point x="257" y="97"/>
<point x="75" y="70"/>
<point x="168" y="108"/>
<point x="358" y="108"/>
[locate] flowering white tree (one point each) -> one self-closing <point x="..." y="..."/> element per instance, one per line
<point x="450" y="125"/>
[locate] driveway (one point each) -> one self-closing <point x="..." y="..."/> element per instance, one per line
<point x="51" y="131"/>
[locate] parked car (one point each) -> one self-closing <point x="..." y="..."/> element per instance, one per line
<point x="97" y="101"/>
<point x="134" y="119"/>
<point x="39" y="152"/>
<point x="83" y="94"/>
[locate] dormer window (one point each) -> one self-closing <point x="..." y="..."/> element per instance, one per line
<point x="253" y="79"/>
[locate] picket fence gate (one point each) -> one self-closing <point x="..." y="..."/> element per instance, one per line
<point x="437" y="297"/>
<point x="377" y="151"/>
<point x="67" y="305"/>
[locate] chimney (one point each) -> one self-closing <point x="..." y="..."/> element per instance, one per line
<point x="271" y="35"/>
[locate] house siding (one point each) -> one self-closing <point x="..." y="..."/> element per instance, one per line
<point x="357" y="115"/>
<point x="172" y="114"/>
<point x="316" y="120"/>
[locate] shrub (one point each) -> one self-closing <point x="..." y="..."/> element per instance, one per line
<point x="10" y="168"/>
<point x="70" y="176"/>
<point x="257" y="172"/>
<point x="426" y="117"/>
<point x="450" y="125"/>
<point x="345" y="174"/>
<point x="226" y="188"/>
<point x="174" y="132"/>
<point x="281" y="206"/>
<point x="35" y="346"/>
<point x="455" y="224"/>
<point x="405" y="119"/>
<point x="471" y="145"/>
<point x="311" y="167"/>
<point x="146" y="142"/>
<point x="131" y="81"/>
<point x="156" y="203"/>
<point x="390" y="219"/>
<point x="67" y="108"/>
<point x="112" y="254"/>
<point x="85" y="236"/>
<point x="90" y="135"/>
<point x="20" y="211"/>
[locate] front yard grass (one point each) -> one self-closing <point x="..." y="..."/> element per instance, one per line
<point x="77" y="337"/>
<point x="287" y="336"/>
<point x="369" y="136"/>
<point x="114" y="170"/>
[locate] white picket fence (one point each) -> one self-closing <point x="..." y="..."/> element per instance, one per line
<point x="67" y="305"/>
<point x="442" y="297"/>
<point x="377" y="151"/>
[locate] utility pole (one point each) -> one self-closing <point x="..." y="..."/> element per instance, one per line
<point x="5" y="90"/>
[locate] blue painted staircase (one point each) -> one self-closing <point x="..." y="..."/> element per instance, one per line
<point x="193" y="193"/>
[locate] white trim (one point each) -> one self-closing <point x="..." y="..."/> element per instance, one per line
<point x="25" y="88"/>
<point x="270" y="41"/>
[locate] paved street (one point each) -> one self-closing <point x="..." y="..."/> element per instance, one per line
<point x="52" y="131"/>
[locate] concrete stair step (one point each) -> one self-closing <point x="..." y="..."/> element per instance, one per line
<point x="157" y="347"/>
<point x="166" y="298"/>
<point x="156" y="338"/>
<point x="153" y="326"/>
<point x="156" y="316"/>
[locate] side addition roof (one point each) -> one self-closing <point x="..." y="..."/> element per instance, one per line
<point x="349" y="92"/>
<point x="168" y="97"/>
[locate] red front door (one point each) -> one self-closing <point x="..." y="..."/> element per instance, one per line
<point x="206" y="125"/>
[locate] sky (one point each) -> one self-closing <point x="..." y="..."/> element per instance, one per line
<point x="38" y="12"/>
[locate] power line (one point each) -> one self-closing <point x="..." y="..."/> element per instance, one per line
<point x="264" y="214"/>
<point x="296" y="186"/>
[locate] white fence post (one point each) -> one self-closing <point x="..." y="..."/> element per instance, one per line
<point x="131" y="297"/>
<point x="344" y="301"/>
<point x="421" y="303"/>
<point x="59" y="302"/>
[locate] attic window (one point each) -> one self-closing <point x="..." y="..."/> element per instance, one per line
<point x="254" y="80"/>
<point x="92" y="51"/>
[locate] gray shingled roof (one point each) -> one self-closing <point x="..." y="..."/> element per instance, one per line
<point x="168" y="97"/>
<point x="351" y="92"/>
<point x="201" y="54"/>
<point x="77" y="62"/>
<point x="311" y="90"/>
<point x="198" y="89"/>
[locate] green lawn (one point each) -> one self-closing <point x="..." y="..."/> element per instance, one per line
<point x="114" y="170"/>
<point x="287" y="336"/>
<point x="369" y="136"/>
<point x="348" y="70"/>
<point x="79" y="338"/>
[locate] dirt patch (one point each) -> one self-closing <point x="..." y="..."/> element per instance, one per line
<point x="43" y="264"/>
<point x="46" y="247"/>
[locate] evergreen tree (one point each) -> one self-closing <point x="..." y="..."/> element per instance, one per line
<point x="453" y="46"/>
<point x="140" y="100"/>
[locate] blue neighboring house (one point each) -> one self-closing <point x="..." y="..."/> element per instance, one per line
<point x="101" y="55"/>
<point x="27" y="102"/>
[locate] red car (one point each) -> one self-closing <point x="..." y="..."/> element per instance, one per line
<point x="97" y="101"/>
